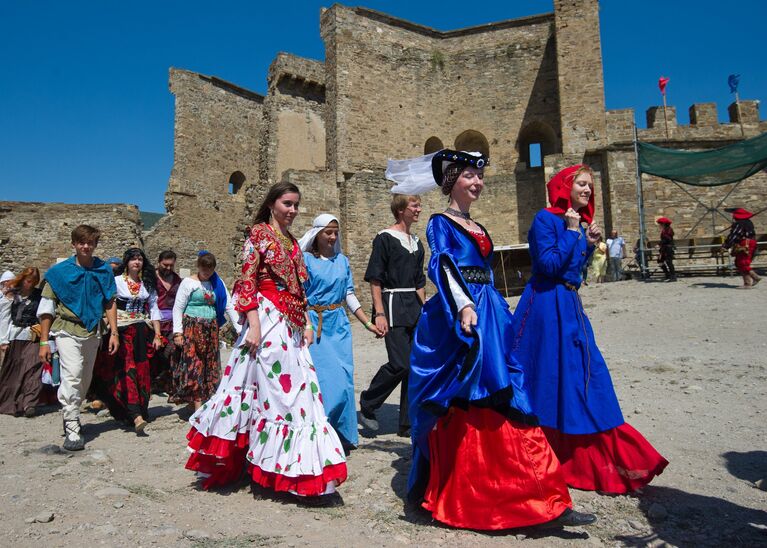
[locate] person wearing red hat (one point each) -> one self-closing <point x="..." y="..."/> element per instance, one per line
<point x="568" y="382"/>
<point x="666" y="249"/>
<point x="742" y="242"/>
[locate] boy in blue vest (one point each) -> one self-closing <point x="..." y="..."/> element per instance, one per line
<point x="79" y="291"/>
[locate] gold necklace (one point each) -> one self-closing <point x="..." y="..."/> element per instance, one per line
<point x="286" y="241"/>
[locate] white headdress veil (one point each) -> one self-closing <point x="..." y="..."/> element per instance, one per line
<point x="412" y="176"/>
<point x="319" y="222"/>
<point x="424" y="173"/>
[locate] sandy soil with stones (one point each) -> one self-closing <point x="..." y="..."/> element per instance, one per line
<point x="690" y="375"/>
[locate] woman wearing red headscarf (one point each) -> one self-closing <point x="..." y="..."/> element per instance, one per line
<point x="568" y="383"/>
<point x="742" y="241"/>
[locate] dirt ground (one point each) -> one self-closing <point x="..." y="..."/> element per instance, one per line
<point x="690" y="375"/>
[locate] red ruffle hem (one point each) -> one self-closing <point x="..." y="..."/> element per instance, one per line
<point x="490" y="473"/>
<point x="223" y="461"/>
<point x="220" y="461"/>
<point x="619" y="460"/>
<point x="306" y="486"/>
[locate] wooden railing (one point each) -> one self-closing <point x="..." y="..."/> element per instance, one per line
<point x="512" y="266"/>
<point x="699" y="256"/>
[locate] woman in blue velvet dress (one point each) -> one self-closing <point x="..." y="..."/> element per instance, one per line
<point x="479" y="459"/>
<point x="567" y="379"/>
<point x="329" y="291"/>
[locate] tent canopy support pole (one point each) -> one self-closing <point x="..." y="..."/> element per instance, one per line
<point x="640" y="210"/>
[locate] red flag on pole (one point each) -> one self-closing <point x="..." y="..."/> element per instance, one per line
<point x="662" y="81"/>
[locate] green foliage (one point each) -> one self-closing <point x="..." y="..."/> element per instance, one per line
<point x="437" y="60"/>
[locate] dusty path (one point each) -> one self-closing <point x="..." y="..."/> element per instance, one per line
<point x="689" y="375"/>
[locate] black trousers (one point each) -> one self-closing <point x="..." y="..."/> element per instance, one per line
<point x="398" y="342"/>
<point x="667" y="265"/>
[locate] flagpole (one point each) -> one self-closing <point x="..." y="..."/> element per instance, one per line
<point x="740" y="116"/>
<point x="665" y="120"/>
<point x="640" y="210"/>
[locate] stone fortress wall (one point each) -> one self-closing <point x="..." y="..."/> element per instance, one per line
<point x="389" y="88"/>
<point x="664" y="198"/>
<point x="37" y="234"/>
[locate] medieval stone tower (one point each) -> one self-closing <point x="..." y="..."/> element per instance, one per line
<point x="529" y="91"/>
<point x="389" y="88"/>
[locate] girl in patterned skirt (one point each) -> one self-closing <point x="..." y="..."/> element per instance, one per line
<point x="267" y="412"/>
<point x="201" y="306"/>
<point x="122" y="380"/>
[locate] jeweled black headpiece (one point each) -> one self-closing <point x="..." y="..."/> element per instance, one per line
<point x="445" y="157"/>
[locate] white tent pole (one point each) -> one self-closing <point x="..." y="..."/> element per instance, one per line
<point x="640" y="209"/>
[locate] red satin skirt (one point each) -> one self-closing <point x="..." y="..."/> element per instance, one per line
<point x="488" y="472"/>
<point x="616" y="461"/>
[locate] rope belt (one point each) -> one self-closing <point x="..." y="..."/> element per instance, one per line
<point x="319" y="309"/>
<point x="391" y="293"/>
<point x="475" y="274"/>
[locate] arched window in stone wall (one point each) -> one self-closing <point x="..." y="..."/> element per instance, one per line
<point x="535" y="141"/>
<point x="236" y="180"/>
<point x="472" y="141"/>
<point x="433" y="144"/>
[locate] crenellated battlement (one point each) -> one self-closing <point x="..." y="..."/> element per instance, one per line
<point x="704" y="124"/>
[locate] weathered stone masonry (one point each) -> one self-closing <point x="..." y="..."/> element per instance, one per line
<point x="389" y="88"/>
<point x="36" y="233"/>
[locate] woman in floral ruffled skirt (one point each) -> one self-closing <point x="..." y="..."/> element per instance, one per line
<point x="267" y="414"/>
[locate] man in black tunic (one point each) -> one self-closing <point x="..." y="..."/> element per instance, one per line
<point x="396" y="277"/>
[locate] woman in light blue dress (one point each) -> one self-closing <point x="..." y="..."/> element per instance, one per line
<point x="329" y="290"/>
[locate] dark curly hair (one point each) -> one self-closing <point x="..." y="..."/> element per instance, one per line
<point x="450" y="176"/>
<point x="148" y="274"/>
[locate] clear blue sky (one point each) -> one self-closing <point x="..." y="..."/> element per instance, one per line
<point x="86" y="115"/>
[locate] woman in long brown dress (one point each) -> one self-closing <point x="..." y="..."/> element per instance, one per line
<point x="21" y="387"/>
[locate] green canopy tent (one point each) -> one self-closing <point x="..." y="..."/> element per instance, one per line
<point x="716" y="167"/>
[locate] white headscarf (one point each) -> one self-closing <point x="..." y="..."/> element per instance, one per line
<point x="318" y="224"/>
<point x="7" y="275"/>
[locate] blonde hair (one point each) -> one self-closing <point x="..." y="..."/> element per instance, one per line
<point x="585" y="169"/>
<point x="399" y="203"/>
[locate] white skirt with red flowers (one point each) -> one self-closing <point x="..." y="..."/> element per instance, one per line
<point x="267" y="414"/>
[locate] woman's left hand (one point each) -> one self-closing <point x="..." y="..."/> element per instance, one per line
<point x="308" y="336"/>
<point x="157" y="342"/>
<point x="593" y="233"/>
<point x="468" y="319"/>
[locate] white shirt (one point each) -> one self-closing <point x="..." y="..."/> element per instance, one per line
<point x="5" y="318"/>
<point x="185" y="289"/>
<point x="615" y="247"/>
<point x="14" y="332"/>
<point x="143" y="293"/>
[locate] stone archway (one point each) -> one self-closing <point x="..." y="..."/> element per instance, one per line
<point x="433" y="144"/>
<point x="536" y="140"/>
<point x="472" y="141"/>
<point x="236" y="180"/>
